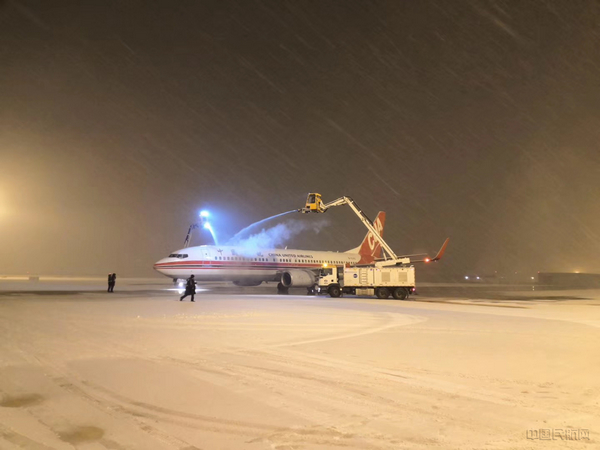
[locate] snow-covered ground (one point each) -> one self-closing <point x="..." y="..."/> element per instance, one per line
<point x="246" y="369"/>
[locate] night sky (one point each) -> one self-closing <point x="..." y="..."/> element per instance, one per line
<point x="477" y="120"/>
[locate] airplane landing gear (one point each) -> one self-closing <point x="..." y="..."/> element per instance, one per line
<point x="281" y="289"/>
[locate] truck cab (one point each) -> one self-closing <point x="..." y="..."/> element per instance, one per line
<point x="327" y="276"/>
<point x="329" y="280"/>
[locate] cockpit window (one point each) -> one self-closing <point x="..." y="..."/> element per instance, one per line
<point x="178" y="255"/>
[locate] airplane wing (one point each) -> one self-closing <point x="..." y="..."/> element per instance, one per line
<point x="440" y="253"/>
<point x="426" y="258"/>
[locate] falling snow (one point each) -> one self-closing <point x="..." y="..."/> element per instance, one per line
<point x="476" y="120"/>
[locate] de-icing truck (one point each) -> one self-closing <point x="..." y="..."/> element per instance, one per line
<point x="397" y="281"/>
<point x="393" y="275"/>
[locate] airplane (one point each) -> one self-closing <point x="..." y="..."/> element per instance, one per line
<point x="251" y="267"/>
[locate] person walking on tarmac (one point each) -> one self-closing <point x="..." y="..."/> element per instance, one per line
<point x="190" y="288"/>
<point x="112" y="279"/>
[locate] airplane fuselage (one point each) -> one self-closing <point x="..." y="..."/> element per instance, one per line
<point x="224" y="263"/>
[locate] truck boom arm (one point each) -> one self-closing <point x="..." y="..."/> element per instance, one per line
<point x="315" y="204"/>
<point x="188" y="237"/>
<point x="365" y="220"/>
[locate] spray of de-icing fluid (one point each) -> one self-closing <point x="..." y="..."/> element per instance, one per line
<point x="275" y="236"/>
<point x="238" y="236"/>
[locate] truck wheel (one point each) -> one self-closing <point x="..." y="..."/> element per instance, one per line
<point x="400" y="293"/>
<point x="382" y="293"/>
<point x="281" y="289"/>
<point x="334" y="291"/>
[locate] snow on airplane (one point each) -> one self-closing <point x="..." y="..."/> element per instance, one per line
<point x="250" y="267"/>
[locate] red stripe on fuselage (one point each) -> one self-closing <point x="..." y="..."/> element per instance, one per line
<point x="236" y="265"/>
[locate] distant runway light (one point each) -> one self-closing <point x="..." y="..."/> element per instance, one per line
<point x="466" y="277"/>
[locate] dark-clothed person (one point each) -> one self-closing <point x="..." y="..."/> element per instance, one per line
<point x="190" y="288"/>
<point x="112" y="279"/>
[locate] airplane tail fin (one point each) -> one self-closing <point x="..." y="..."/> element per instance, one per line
<point x="370" y="249"/>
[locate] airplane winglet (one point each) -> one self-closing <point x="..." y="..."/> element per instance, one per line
<point x="441" y="252"/>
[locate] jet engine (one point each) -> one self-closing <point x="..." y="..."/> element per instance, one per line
<point x="297" y="278"/>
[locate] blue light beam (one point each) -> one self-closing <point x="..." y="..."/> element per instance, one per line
<point x="212" y="232"/>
